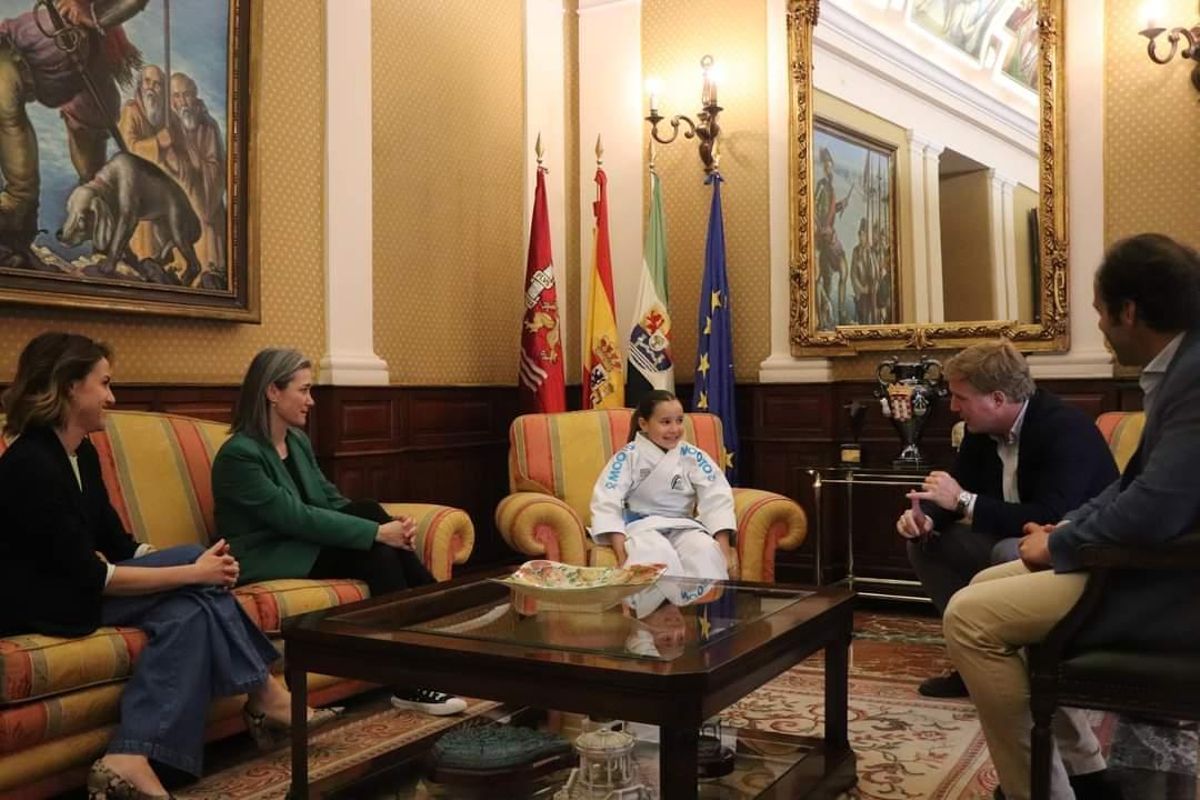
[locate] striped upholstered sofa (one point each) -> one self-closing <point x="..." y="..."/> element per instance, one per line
<point x="553" y="461"/>
<point x="59" y="697"/>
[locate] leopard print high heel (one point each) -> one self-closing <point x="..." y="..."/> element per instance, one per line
<point x="269" y="734"/>
<point x="104" y="784"/>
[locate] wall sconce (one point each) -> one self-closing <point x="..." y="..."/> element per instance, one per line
<point x="1152" y="31"/>
<point x="707" y="131"/>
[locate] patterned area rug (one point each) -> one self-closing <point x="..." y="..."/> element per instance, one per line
<point x="908" y="746"/>
<point x="341" y="747"/>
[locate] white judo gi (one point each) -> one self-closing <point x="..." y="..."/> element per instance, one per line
<point x="668" y="505"/>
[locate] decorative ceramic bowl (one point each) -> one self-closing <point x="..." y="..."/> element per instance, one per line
<point x="564" y="586"/>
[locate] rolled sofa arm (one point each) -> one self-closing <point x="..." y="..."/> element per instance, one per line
<point x="767" y="523"/>
<point x="445" y="535"/>
<point x="542" y="526"/>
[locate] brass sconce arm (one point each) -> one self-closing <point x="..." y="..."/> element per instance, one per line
<point x="707" y="130"/>
<point x="1191" y="51"/>
<point x="1174" y="36"/>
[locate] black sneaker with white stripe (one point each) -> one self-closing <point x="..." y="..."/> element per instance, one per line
<point x="429" y="701"/>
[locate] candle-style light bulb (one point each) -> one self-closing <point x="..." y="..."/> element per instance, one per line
<point x="1151" y="14"/>
<point x="708" y="93"/>
<point x="654" y="89"/>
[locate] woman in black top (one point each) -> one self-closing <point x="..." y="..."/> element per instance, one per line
<point x="67" y="566"/>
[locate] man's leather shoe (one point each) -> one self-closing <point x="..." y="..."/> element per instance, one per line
<point x="948" y="685"/>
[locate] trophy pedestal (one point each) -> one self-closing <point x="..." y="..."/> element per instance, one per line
<point x="911" y="460"/>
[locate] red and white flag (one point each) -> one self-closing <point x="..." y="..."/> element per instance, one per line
<point x="541" y="384"/>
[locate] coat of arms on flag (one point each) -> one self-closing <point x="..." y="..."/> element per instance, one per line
<point x="603" y="371"/>
<point x="650" y="363"/>
<point x="540" y="375"/>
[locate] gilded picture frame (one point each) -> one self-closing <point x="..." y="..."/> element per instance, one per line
<point x="133" y="184"/>
<point x="1050" y="332"/>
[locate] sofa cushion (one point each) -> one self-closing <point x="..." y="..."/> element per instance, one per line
<point x="270" y="602"/>
<point x="34" y="666"/>
<point x="51" y="718"/>
<point x="1123" y="431"/>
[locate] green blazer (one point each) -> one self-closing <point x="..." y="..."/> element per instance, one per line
<point x="270" y="529"/>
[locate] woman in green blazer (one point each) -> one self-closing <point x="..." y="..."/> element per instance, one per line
<point x="284" y="519"/>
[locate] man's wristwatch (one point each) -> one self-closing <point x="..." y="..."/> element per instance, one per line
<point x="963" y="503"/>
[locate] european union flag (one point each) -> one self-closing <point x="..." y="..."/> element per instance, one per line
<point x="714" y="355"/>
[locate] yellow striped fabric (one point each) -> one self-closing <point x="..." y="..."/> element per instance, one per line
<point x="1123" y="430"/>
<point x="561" y="454"/>
<point x="36" y="666"/>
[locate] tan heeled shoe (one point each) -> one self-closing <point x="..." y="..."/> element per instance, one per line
<point x="104" y="784"/>
<point x="269" y="734"/>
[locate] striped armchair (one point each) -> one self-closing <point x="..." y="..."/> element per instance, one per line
<point x="553" y="461"/>
<point x="59" y="697"/>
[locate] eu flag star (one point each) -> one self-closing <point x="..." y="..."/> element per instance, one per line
<point x="715" y="302"/>
<point x="703" y="402"/>
<point x="704" y="366"/>
<point x="728" y="461"/>
<point x="708" y="326"/>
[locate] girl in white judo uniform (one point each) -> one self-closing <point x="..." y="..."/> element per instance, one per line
<point x="660" y="500"/>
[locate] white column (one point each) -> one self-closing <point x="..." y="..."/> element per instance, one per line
<point x="545" y="114"/>
<point x="1003" y="247"/>
<point x="924" y="198"/>
<point x="610" y="105"/>
<point x="1088" y="356"/>
<point x="780" y="366"/>
<point x="918" y="232"/>
<point x="350" y="357"/>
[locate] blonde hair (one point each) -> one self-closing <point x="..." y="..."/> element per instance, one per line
<point x="40" y="394"/>
<point x="993" y="367"/>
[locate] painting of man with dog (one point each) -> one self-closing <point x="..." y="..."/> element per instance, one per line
<point x="115" y="139"/>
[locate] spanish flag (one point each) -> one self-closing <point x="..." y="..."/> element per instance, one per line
<point x="603" y="376"/>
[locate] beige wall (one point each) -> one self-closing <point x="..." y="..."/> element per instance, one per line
<point x="675" y="35"/>
<point x="966" y="249"/>
<point x="1151" y="135"/>
<point x="449" y="259"/>
<point x="291" y="99"/>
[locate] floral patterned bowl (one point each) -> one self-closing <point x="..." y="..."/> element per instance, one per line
<point x="555" y="585"/>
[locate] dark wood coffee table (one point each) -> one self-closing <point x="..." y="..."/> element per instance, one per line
<point x="675" y="668"/>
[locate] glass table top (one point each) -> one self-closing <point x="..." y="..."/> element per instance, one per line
<point x="673" y="618"/>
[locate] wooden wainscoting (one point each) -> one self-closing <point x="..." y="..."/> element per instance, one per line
<point x="787" y="429"/>
<point x="394" y="443"/>
<point x="432" y="445"/>
<point x="449" y="444"/>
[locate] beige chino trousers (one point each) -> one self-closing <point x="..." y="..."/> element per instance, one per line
<point x="986" y="626"/>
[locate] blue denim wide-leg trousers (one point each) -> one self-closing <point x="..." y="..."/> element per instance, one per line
<point x="201" y="645"/>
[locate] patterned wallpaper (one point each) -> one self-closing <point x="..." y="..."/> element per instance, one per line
<point x="449" y="259"/>
<point x="1151" y="130"/>
<point x="290" y="146"/>
<point x="675" y="35"/>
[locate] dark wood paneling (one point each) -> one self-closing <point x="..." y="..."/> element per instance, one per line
<point x="787" y="429"/>
<point x="450" y="445"/>
<point x="444" y="445"/>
